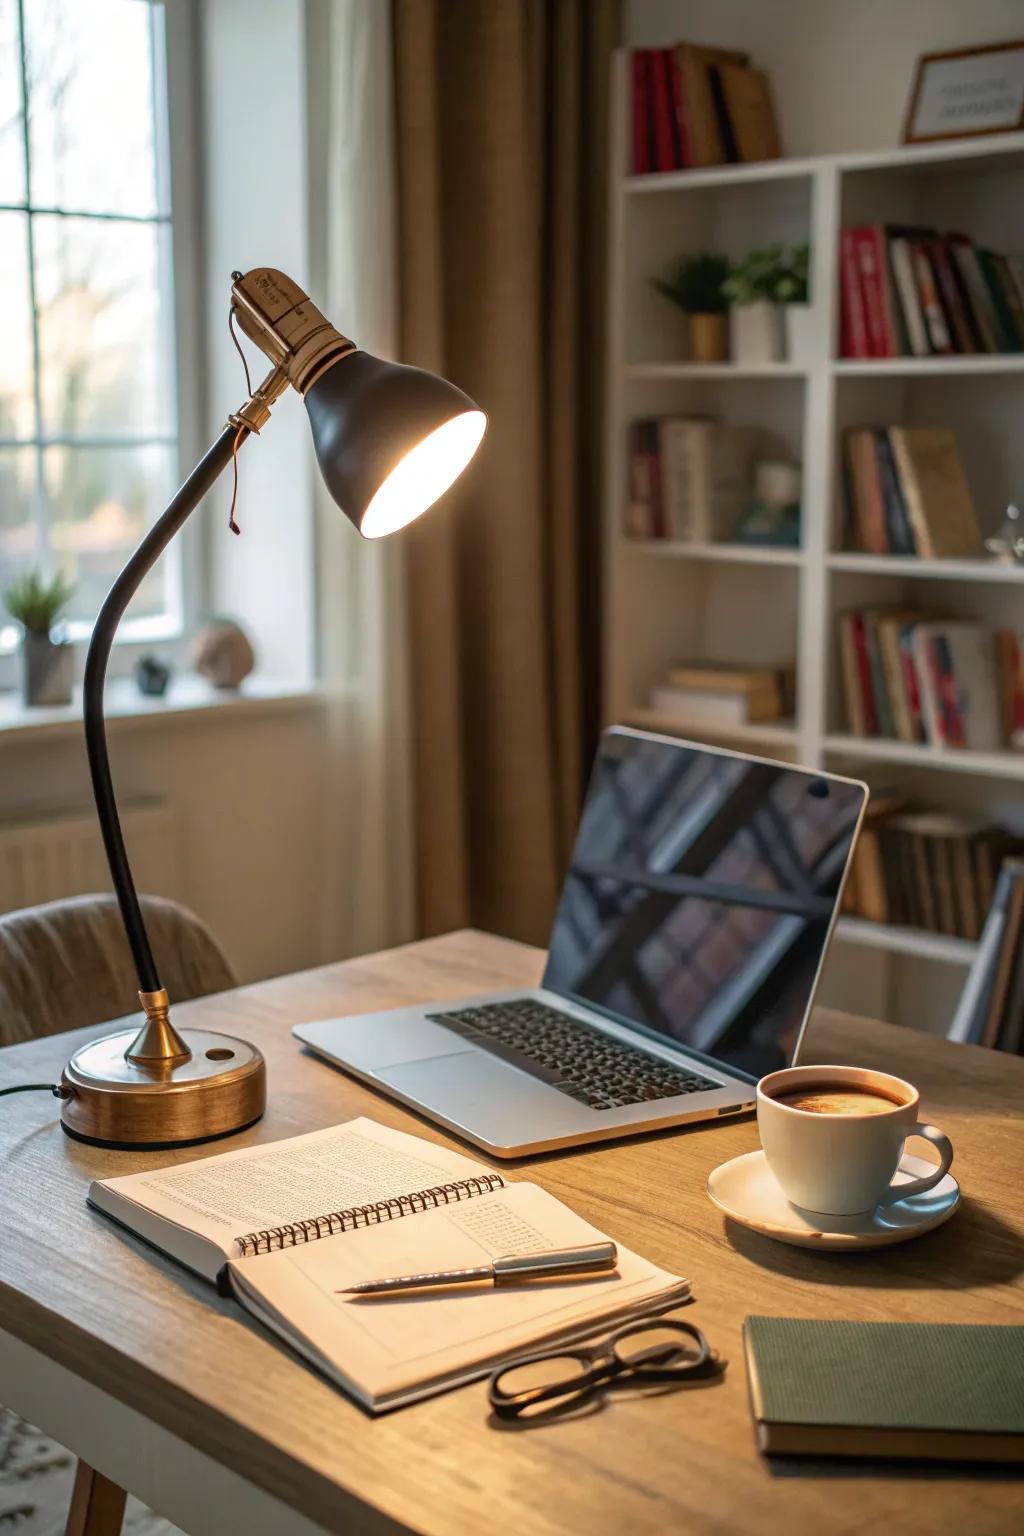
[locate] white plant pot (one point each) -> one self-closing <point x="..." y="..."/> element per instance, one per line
<point x="798" y="332"/>
<point x="755" y="331"/>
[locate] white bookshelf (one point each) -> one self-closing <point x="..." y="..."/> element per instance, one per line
<point x="667" y="602"/>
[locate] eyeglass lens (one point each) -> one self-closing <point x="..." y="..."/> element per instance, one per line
<point x="658" y="1347"/>
<point x="571" y="1373"/>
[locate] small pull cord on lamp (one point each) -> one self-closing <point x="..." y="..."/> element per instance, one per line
<point x="389" y="441"/>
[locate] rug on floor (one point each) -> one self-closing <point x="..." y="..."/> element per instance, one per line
<point x="36" y="1477"/>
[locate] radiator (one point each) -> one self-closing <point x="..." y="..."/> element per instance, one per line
<point x="45" y="857"/>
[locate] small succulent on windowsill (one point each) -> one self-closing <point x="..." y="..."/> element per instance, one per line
<point x="36" y="603"/>
<point x="694" y="285"/>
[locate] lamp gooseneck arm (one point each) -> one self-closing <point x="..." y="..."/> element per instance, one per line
<point x="120" y="595"/>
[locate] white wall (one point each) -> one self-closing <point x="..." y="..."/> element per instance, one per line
<point x="840" y="69"/>
<point x="248" y="792"/>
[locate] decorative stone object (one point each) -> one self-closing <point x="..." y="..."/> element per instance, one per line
<point x="152" y="675"/>
<point x="222" y="653"/>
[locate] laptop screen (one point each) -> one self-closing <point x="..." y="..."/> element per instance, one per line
<point x="700" y="895"/>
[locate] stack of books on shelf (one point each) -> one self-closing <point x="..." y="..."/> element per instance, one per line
<point x="909" y="292"/>
<point x="933" y="870"/>
<point x="916" y="677"/>
<point x="705" y="696"/>
<point x="689" y="478"/>
<point x="696" y="106"/>
<point x="991" y="1009"/>
<point x="907" y="494"/>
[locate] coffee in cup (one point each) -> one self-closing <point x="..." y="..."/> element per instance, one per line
<point x="833" y="1137"/>
<point x="821" y="1099"/>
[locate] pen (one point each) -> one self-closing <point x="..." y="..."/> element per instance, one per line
<point x="553" y="1264"/>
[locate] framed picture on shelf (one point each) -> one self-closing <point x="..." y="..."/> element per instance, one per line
<point x="965" y="93"/>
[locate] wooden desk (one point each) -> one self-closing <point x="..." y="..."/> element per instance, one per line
<point x="170" y="1391"/>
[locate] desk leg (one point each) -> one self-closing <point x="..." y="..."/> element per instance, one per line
<point x="97" y="1504"/>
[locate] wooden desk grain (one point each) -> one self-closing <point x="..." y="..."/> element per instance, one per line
<point x="159" y="1341"/>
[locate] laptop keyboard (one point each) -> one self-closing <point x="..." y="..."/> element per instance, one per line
<point x="557" y="1048"/>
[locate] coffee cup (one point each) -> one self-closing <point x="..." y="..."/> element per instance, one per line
<point x="833" y="1137"/>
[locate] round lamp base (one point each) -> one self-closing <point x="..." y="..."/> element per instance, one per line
<point x="114" y="1102"/>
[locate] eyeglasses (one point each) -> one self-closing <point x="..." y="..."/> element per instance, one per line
<point x="642" y="1353"/>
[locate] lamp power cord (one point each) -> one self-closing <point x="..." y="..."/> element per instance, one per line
<point x="57" y="1089"/>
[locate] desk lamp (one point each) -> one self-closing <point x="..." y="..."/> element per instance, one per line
<point x="389" y="441"/>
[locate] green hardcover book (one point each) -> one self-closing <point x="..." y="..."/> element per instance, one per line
<point x="940" y="1391"/>
<point x="989" y="271"/>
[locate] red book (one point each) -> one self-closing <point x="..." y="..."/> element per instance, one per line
<point x="664" y="147"/>
<point x="867" y="696"/>
<point x="679" y="107"/>
<point x="910" y="683"/>
<point x="855" y="333"/>
<point x="641" y="138"/>
<point x="949" y="695"/>
<point x="871" y="287"/>
<point x="874" y="234"/>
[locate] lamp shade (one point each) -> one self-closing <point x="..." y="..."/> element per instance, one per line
<point x="389" y="439"/>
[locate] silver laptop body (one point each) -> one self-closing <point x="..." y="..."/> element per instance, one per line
<point x="692" y="927"/>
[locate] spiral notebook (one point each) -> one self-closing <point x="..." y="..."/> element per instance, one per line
<point x="284" y="1227"/>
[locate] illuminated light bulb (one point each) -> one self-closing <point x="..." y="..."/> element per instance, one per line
<point x="423" y="474"/>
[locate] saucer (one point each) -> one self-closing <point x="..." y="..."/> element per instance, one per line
<point x="746" y="1190"/>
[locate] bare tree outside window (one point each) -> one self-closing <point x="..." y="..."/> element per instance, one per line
<point x="88" y="435"/>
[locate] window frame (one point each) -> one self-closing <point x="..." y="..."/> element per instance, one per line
<point x="173" y="41"/>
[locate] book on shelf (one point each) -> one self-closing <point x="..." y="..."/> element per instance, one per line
<point x="927" y="869"/>
<point x="907" y="493"/>
<point x="909" y="291"/>
<point x="286" y="1227"/>
<point x="706" y="695"/>
<point x="914" y="677"/>
<point x="991" y="1007"/>
<point x="689" y="478"/>
<point x="1010" y="665"/>
<point x="695" y="106"/>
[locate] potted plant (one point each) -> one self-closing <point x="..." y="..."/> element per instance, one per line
<point x="694" y="285"/>
<point x="36" y="603"/>
<point x="755" y="317"/>
<point x="791" y="293"/>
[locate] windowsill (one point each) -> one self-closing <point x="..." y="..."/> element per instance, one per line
<point x="187" y="698"/>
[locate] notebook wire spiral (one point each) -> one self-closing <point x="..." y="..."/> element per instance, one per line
<point x="291" y="1233"/>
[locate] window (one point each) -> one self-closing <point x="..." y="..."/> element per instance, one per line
<point x="88" y="429"/>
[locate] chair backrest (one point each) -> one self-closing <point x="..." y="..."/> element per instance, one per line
<point x="67" y="964"/>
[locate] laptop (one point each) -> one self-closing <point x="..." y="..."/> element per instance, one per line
<point x="683" y="962"/>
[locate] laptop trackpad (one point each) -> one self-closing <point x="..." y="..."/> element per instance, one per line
<point x="484" y="1095"/>
<point x="369" y="1043"/>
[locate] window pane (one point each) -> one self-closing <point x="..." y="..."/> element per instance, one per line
<point x="17" y="408"/>
<point x="12" y="144"/>
<point x="90" y="94"/>
<point x="17" y="525"/>
<point x="103" y="357"/>
<point x="101" y="501"/>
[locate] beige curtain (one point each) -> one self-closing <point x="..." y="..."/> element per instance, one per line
<point x="501" y="139"/>
<point x="368" y="896"/>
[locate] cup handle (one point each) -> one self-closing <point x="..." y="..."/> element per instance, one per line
<point x="921" y="1186"/>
